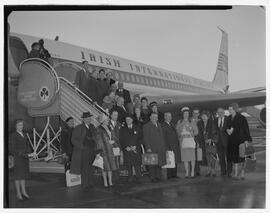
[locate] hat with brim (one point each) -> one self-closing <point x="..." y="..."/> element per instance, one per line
<point x="86" y="115"/>
<point x="185" y="109"/>
<point x="129" y="115"/>
<point x="153" y="103"/>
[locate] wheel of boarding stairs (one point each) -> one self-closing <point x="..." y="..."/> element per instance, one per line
<point x="38" y="84"/>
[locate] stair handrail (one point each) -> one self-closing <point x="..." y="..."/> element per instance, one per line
<point x="83" y="95"/>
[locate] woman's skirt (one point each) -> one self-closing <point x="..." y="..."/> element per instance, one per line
<point x="188" y="154"/>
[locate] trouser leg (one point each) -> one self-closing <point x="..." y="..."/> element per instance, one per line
<point x="138" y="171"/>
<point x="151" y="172"/>
<point x="222" y="158"/>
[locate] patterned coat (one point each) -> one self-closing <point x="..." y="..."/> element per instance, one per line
<point x="103" y="143"/>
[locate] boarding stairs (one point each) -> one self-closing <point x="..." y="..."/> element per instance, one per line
<point x="44" y="93"/>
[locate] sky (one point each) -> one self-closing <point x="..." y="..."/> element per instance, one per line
<point x="184" y="41"/>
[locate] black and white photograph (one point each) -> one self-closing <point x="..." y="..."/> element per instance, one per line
<point x="134" y="106"/>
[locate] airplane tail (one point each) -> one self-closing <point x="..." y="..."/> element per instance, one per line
<point x="221" y="76"/>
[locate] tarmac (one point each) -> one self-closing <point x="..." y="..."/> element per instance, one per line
<point x="49" y="190"/>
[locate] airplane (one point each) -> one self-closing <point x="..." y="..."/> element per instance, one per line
<point x="171" y="90"/>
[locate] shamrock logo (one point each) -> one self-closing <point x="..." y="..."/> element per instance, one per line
<point x="44" y="93"/>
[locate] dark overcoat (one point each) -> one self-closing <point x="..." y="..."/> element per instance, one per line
<point x="171" y="138"/>
<point x="153" y="138"/>
<point x="131" y="137"/>
<point x="239" y="135"/>
<point x="84" y="147"/>
<point x="18" y="147"/>
<point x="205" y="132"/>
<point x="65" y="139"/>
<point x="92" y="89"/>
<point x="121" y="113"/>
<point x="125" y="94"/>
<point x="82" y="81"/>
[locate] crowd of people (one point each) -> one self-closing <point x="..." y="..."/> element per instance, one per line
<point x="198" y="139"/>
<point x="135" y="127"/>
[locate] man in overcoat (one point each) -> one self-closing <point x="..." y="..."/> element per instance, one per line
<point x="172" y="141"/>
<point x="153" y="138"/>
<point x="84" y="150"/>
<point x="82" y="78"/>
<point x="130" y="137"/>
<point x="120" y="108"/>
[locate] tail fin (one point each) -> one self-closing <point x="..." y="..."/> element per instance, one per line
<point x="221" y="76"/>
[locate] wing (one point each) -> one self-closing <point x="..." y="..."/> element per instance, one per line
<point x="210" y="102"/>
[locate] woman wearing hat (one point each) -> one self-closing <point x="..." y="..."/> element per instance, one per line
<point x="105" y="143"/>
<point x="20" y="150"/>
<point x="186" y="131"/>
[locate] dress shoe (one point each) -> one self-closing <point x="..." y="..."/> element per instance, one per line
<point x="208" y="174"/>
<point x="154" y="180"/>
<point x="130" y="179"/>
<point x="20" y="198"/>
<point x="26" y="196"/>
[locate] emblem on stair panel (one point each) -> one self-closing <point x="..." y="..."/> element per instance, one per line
<point x="44" y="93"/>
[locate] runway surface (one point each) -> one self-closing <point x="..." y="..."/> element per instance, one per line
<point x="49" y="190"/>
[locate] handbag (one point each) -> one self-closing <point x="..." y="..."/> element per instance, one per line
<point x="242" y="150"/>
<point x="150" y="159"/>
<point x="199" y="154"/>
<point x="170" y="160"/>
<point x="72" y="179"/>
<point x="188" y="142"/>
<point x="211" y="149"/>
<point x="98" y="162"/>
<point x="116" y="151"/>
<point x="249" y="150"/>
<point x="250" y="164"/>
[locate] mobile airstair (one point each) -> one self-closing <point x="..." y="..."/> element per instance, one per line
<point x="45" y="91"/>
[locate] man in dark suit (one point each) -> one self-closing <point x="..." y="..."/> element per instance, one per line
<point x="84" y="150"/>
<point x="196" y="118"/>
<point x="103" y="84"/>
<point x="130" y="140"/>
<point x="120" y="108"/>
<point x="126" y="95"/>
<point x="154" y="142"/>
<point x="220" y="125"/>
<point x="171" y="139"/>
<point x="82" y="78"/>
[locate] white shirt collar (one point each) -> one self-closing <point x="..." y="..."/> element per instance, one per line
<point x="20" y="133"/>
<point x="87" y="126"/>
